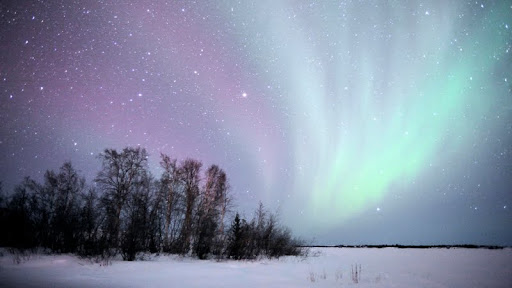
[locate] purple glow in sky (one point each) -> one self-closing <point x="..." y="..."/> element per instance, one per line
<point x="374" y="122"/>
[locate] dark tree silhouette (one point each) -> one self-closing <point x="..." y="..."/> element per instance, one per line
<point x="170" y="194"/>
<point x="189" y="175"/>
<point x="136" y="233"/>
<point x="20" y="228"/>
<point x="128" y="211"/>
<point x="210" y="213"/>
<point x="236" y="238"/>
<point x="70" y="186"/>
<point x="121" y="173"/>
<point x="90" y="222"/>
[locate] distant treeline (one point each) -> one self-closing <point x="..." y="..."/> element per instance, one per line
<point x="127" y="210"/>
<point x="470" y="246"/>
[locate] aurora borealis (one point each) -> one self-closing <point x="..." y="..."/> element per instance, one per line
<point x="362" y="122"/>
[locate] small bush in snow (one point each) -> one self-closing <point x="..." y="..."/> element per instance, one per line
<point x="20" y="256"/>
<point x="323" y="275"/>
<point x="338" y="275"/>
<point x="312" y="277"/>
<point x="356" y="273"/>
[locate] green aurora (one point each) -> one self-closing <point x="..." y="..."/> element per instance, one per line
<point x="367" y="112"/>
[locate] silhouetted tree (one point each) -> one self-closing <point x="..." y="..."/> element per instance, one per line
<point x="155" y="241"/>
<point x="65" y="230"/>
<point x="43" y="206"/>
<point x="171" y="186"/>
<point x="3" y="198"/>
<point x="209" y="214"/>
<point x="136" y="233"/>
<point x="189" y="175"/>
<point x="121" y="173"/>
<point x="205" y="237"/>
<point x="236" y="238"/>
<point x="132" y="212"/>
<point x="260" y="223"/>
<point x="89" y="223"/>
<point x="20" y="226"/>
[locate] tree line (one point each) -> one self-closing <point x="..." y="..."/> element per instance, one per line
<point x="127" y="210"/>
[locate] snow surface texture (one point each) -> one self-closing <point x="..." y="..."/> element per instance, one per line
<point x="327" y="267"/>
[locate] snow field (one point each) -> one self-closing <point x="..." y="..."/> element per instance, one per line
<point x="326" y="267"/>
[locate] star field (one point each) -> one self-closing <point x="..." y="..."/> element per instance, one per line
<point x="362" y="123"/>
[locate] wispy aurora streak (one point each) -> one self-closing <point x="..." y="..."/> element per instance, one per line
<point x="375" y="100"/>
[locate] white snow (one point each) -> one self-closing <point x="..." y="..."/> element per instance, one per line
<point x="328" y="267"/>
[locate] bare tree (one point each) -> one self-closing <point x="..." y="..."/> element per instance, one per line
<point x="135" y="212"/>
<point x="217" y="204"/>
<point x="3" y="199"/>
<point x="170" y="183"/>
<point x="121" y="173"/>
<point x="207" y="212"/>
<point x="189" y="175"/>
<point x="21" y="228"/>
<point x="260" y="219"/>
<point x="90" y="222"/>
<point x="69" y="187"/>
<point x="137" y="227"/>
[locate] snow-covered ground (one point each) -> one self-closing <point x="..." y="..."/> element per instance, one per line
<point x="328" y="267"/>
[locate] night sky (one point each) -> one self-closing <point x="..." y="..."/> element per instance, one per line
<point x="361" y="122"/>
